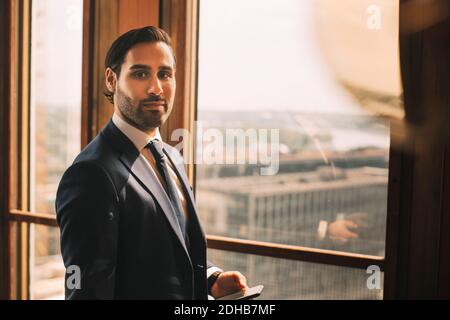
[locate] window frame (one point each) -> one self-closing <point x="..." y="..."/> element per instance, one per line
<point x="16" y="151"/>
<point x="182" y="23"/>
<point x="101" y="24"/>
<point x="5" y="36"/>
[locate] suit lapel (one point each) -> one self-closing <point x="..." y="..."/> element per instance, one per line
<point x="142" y="173"/>
<point x="138" y="167"/>
<point x="179" y="170"/>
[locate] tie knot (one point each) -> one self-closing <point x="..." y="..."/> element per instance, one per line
<point x="156" y="147"/>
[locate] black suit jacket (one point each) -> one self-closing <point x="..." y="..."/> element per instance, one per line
<point x="118" y="227"/>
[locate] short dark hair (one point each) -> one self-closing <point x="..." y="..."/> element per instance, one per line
<point x="118" y="50"/>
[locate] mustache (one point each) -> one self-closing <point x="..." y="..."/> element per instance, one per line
<point x="154" y="99"/>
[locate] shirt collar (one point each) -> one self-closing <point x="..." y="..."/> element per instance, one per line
<point x="139" y="138"/>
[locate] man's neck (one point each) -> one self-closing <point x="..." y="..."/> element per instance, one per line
<point x="150" y="132"/>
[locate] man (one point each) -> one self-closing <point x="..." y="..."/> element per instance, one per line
<point x="125" y="209"/>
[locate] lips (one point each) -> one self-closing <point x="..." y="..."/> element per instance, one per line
<point x="154" y="105"/>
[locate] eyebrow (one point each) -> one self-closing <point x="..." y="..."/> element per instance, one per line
<point x="146" y="67"/>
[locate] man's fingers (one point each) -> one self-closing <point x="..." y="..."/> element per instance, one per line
<point x="350" y="234"/>
<point x="240" y="280"/>
<point x="352" y="225"/>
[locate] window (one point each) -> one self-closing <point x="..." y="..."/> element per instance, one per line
<point x="292" y="150"/>
<point x="54" y="45"/>
<point x="55" y="122"/>
<point x="295" y="280"/>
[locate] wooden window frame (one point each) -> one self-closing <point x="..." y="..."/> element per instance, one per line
<point x="401" y="262"/>
<point x="5" y="36"/>
<point x="101" y="21"/>
<point x="16" y="148"/>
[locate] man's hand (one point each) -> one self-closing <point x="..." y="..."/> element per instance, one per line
<point x="227" y="283"/>
<point x="340" y="231"/>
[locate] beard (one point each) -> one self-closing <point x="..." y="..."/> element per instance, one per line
<point x="137" y="115"/>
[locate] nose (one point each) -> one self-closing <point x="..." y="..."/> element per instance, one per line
<point x="155" y="87"/>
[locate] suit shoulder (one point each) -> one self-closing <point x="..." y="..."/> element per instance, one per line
<point x="86" y="166"/>
<point x="98" y="150"/>
<point x="85" y="179"/>
<point x="86" y="174"/>
<point x="92" y="164"/>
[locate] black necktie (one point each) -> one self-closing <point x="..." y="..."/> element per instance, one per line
<point x="156" y="148"/>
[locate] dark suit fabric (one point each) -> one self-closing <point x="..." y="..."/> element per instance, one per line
<point x="118" y="227"/>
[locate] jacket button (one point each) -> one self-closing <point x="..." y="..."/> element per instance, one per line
<point x="110" y="216"/>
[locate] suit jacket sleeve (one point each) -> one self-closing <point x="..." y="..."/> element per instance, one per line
<point x="87" y="208"/>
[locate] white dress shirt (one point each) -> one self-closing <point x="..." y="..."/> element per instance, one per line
<point x="140" y="139"/>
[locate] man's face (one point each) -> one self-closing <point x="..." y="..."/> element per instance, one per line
<point x="145" y="90"/>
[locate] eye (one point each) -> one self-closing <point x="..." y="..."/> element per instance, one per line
<point x="141" y="74"/>
<point x="164" y="74"/>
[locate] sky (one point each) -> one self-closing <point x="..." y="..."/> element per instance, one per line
<point x="57" y="53"/>
<point x="267" y="55"/>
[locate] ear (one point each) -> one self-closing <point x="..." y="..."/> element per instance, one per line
<point x="110" y="80"/>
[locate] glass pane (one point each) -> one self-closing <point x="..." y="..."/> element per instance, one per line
<point x="47" y="268"/>
<point x="14" y="271"/>
<point x="55" y="124"/>
<point x="289" y="148"/>
<point x="294" y="280"/>
<point x="56" y="57"/>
